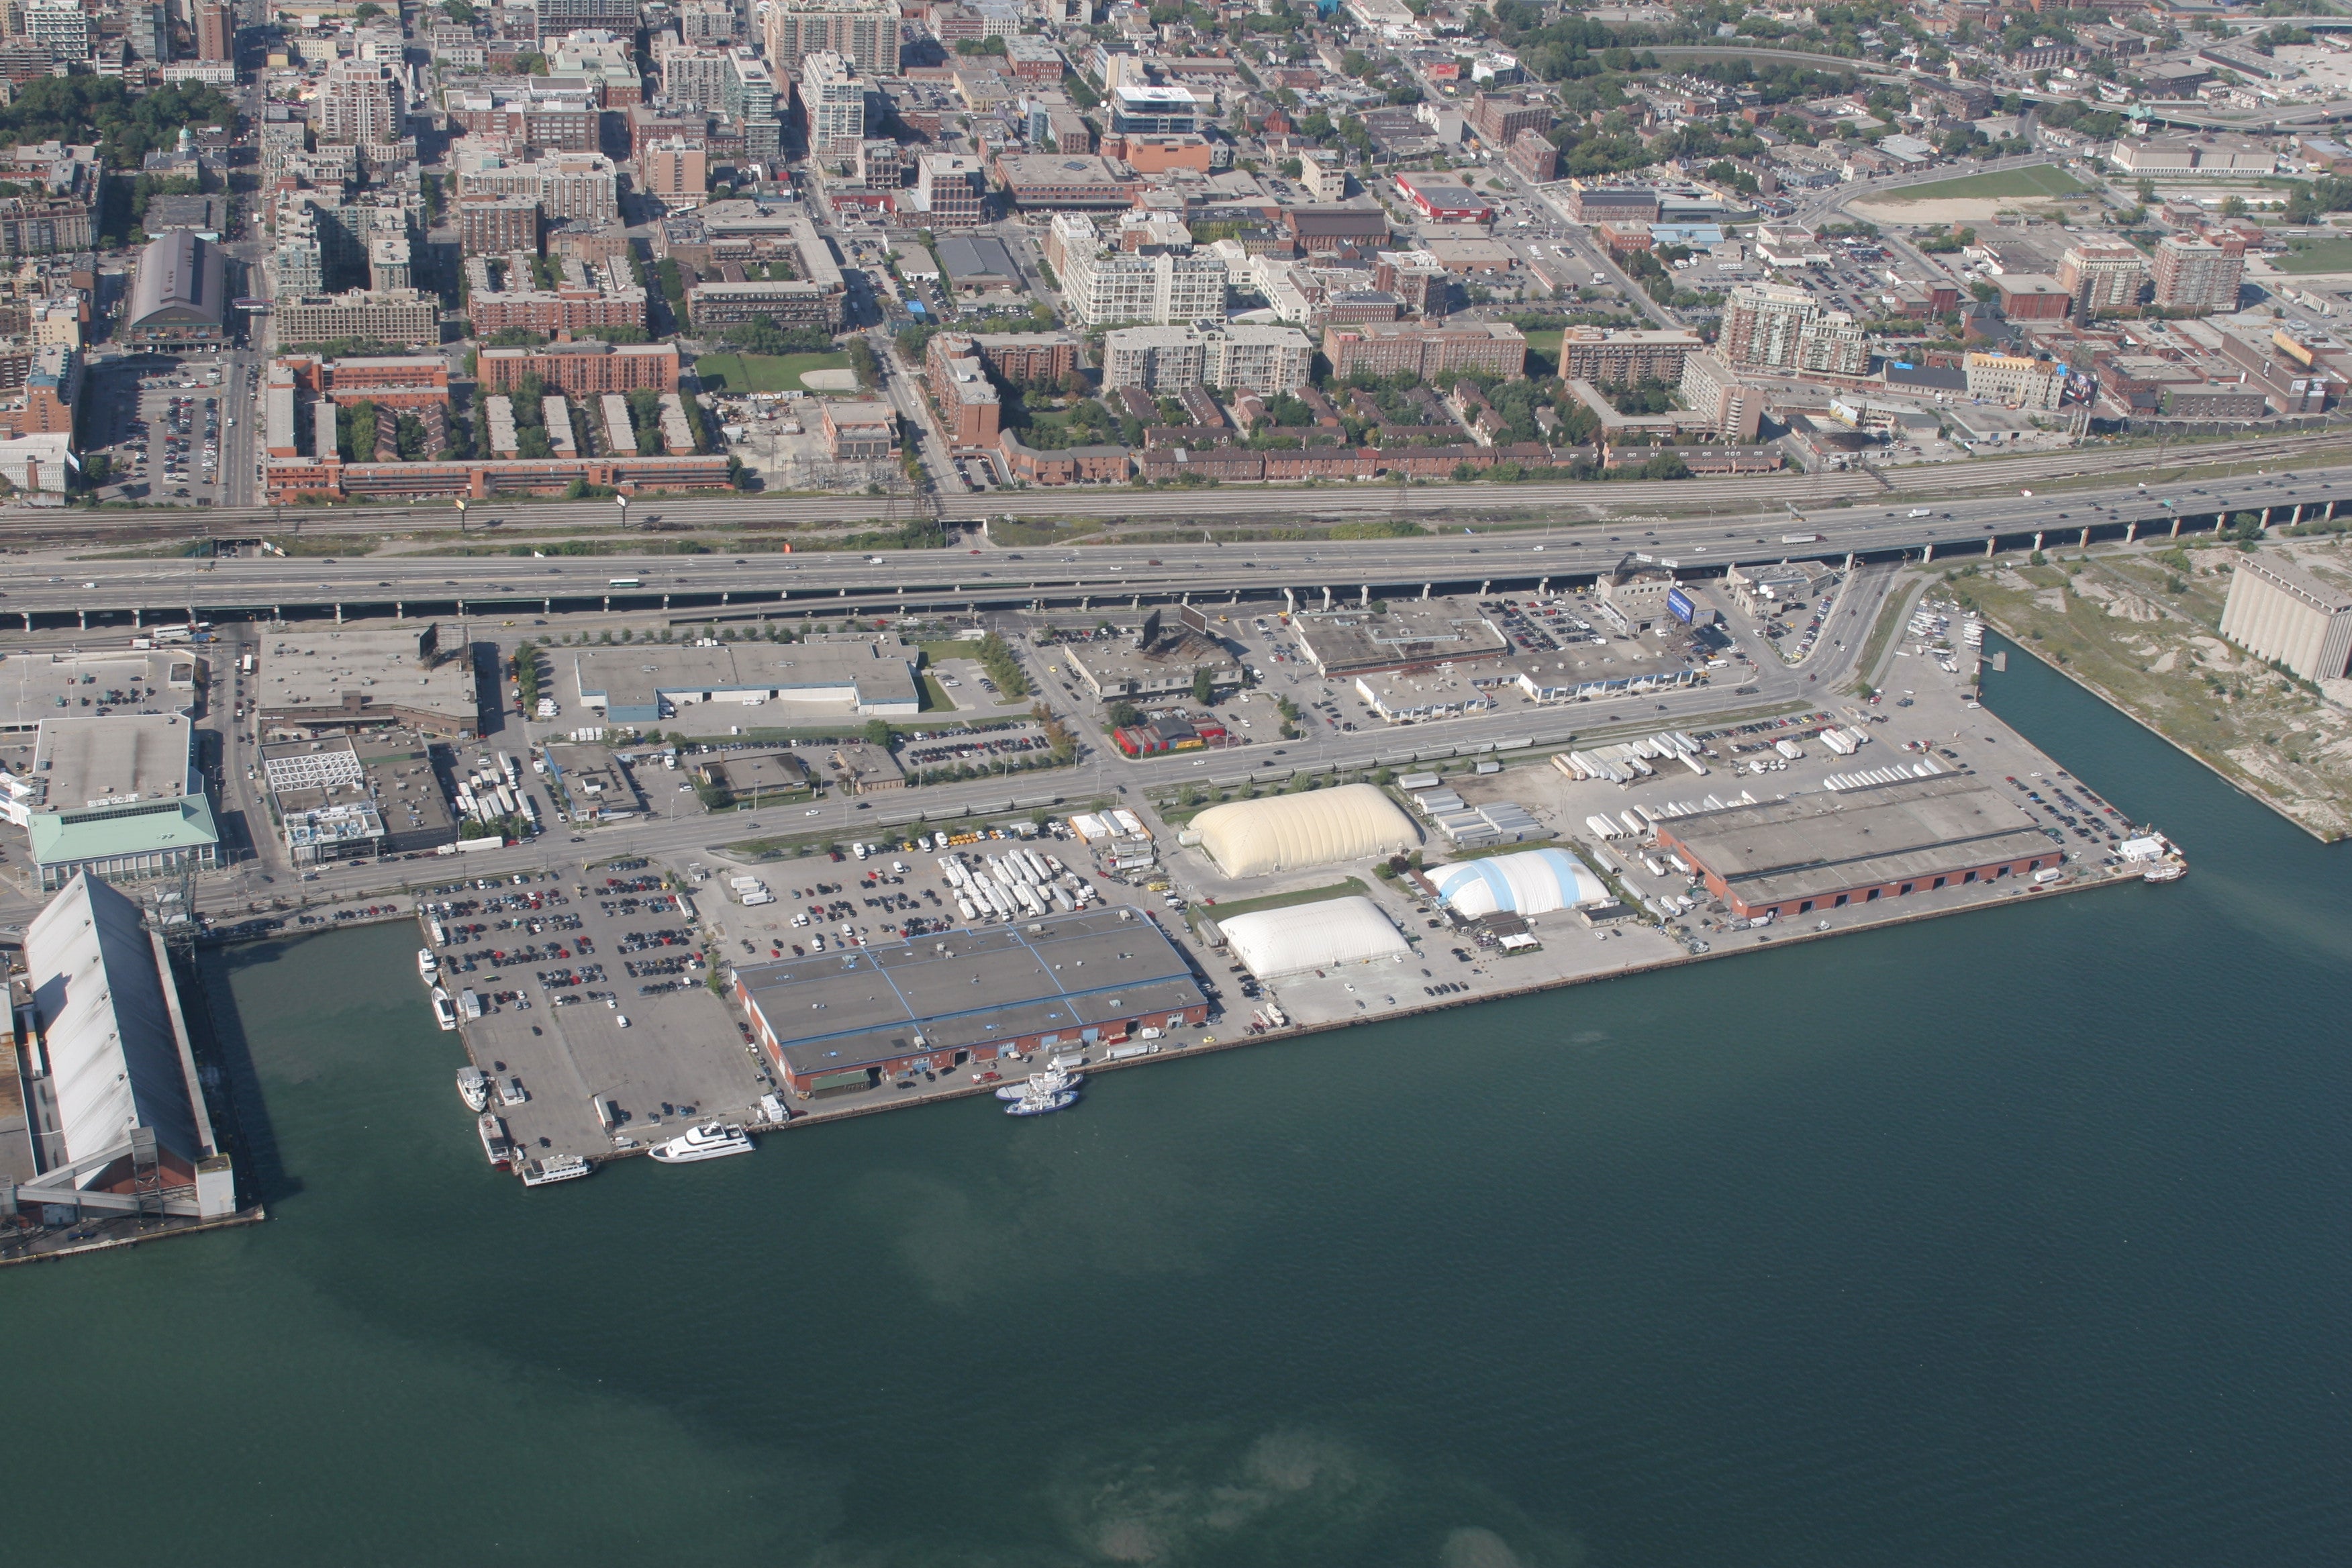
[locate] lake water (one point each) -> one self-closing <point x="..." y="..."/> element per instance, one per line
<point x="2018" y="1237"/>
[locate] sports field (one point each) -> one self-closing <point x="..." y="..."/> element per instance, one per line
<point x="2035" y="180"/>
<point x="739" y="373"/>
<point x="2327" y="255"/>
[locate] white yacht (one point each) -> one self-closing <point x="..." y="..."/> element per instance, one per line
<point x="443" y="1013"/>
<point x="427" y="965"/>
<point x="474" y="1089"/>
<point x="495" y="1142"/>
<point x="711" y="1141"/>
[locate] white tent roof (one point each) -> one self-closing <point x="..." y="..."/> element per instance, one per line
<point x="105" y="1024"/>
<point x="1312" y="936"/>
<point x="1321" y="827"/>
<point x="1529" y="882"/>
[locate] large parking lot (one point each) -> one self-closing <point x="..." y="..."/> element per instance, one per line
<point x="587" y="984"/>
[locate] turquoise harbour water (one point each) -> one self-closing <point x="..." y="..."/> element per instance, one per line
<point x="2018" y="1237"/>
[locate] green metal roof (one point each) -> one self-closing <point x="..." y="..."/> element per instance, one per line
<point x="185" y="823"/>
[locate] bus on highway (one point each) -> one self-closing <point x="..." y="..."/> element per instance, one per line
<point x="624" y="582"/>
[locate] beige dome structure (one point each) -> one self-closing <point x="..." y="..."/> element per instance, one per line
<point x="1320" y="828"/>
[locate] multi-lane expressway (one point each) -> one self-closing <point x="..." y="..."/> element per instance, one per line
<point x="109" y="593"/>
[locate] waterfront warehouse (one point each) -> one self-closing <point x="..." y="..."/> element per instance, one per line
<point x="844" y="1020"/>
<point x="114" y="1116"/>
<point x="1274" y="943"/>
<point x="1321" y="827"/>
<point x="1798" y="855"/>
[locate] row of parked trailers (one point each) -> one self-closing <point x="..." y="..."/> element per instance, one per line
<point x="1925" y="768"/>
<point x="1641" y="821"/>
<point x="1622" y="764"/>
<point x="1016" y="885"/>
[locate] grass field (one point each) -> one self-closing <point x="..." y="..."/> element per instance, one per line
<point x="2038" y="180"/>
<point x="1546" y="343"/>
<point x="1277" y="901"/>
<point x="2327" y="255"/>
<point x="739" y="373"/>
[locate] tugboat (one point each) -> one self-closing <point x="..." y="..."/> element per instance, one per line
<point x="473" y="1088"/>
<point x="1043" y="1104"/>
<point x="563" y="1168"/>
<point x="711" y="1141"/>
<point x="495" y="1144"/>
<point x="1040" y="1083"/>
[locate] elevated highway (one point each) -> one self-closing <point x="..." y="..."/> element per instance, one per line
<point x="964" y="578"/>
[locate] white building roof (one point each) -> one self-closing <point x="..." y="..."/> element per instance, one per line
<point x="114" y="1057"/>
<point x="1313" y="936"/>
<point x="1530" y="882"/>
<point x="1321" y="827"/>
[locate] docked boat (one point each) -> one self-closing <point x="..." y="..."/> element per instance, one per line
<point x="1048" y="1082"/>
<point x="495" y="1144"/>
<point x="2158" y="858"/>
<point x="473" y="1088"/>
<point x="444" y="1013"/>
<point x="563" y="1168"/>
<point x="428" y="966"/>
<point x="2165" y="871"/>
<point x="711" y="1141"/>
<point x="1043" y="1104"/>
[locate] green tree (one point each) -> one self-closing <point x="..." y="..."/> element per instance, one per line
<point x="878" y="731"/>
<point x="1204" y="686"/>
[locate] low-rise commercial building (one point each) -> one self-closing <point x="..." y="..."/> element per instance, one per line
<point x="869" y="677"/>
<point x="307" y="685"/>
<point x="1165" y="660"/>
<point x="118" y="798"/>
<point x="318" y="794"/>
<point x="1409" y="634"/>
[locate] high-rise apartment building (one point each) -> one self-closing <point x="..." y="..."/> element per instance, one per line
<point x="216" y="30"/>
<point x="864" y="31"/>
<point x="950" y="191"/>
<point x="2199" y="273"/>
<point x="361" y="105"/>
<point x="747" y="97"/>
<point x="1221" y="354"/>
<point x="832" y="97"/>
<point x="1713" y="390"/>
<point x="693" y="75"/>
<point x="1761" y="322"/>
<point x="61" y="26"/>
<point x="2102" y="276"/>
<point x="676" y="171"/>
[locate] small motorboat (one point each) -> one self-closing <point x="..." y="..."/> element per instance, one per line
<point x="427" y="965"/>
<point x="473" y="1088"/>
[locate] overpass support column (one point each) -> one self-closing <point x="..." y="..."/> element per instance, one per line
<point x="2266" y="517"/>
<point x="547" y="607"/>
<point x="2037" y="540"/>
<point x="1135" y="602"/>
<point x="2176" y="529"/>
<point x="1424" y="590"/>
<point x="722" y="597"/>
<point x="1486" y="587"/>
<point x="1927" y="551"/>
<point x="138" y="618"/>
<point x="2085" y="545"/>
<point x="1327" y="596"/>
<point x="1988" y="544"/>
<point x="665" y="601"/>
<point x="339" y="612"/>
<point x="1849" y="562"/>
<point x="2131" y="532"/>
<point x="399" y="610"/>
<point x="29" y="620"/>
<point x="1364" y="595"/>
<point x="2296" y="516"/>
<point x="608" y="604"/>
<point x="1291" y="602"/>
<point x="84" y="616"/>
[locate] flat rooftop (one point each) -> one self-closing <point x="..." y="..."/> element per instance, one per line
<point x="81" y="764"/>
<point x="309" y="679"/>
<point x="34" y="687"/>
<point x="842" y="1011"/>
<point x="1409" y="632"/>
<point x="1807" y="846"/>
<point x="631" y="683"/>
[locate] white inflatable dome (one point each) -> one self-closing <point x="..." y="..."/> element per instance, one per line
<point x="1320" y="828"/>
<point x="1313" y="936"/>
<point x="1530" y="882"/>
